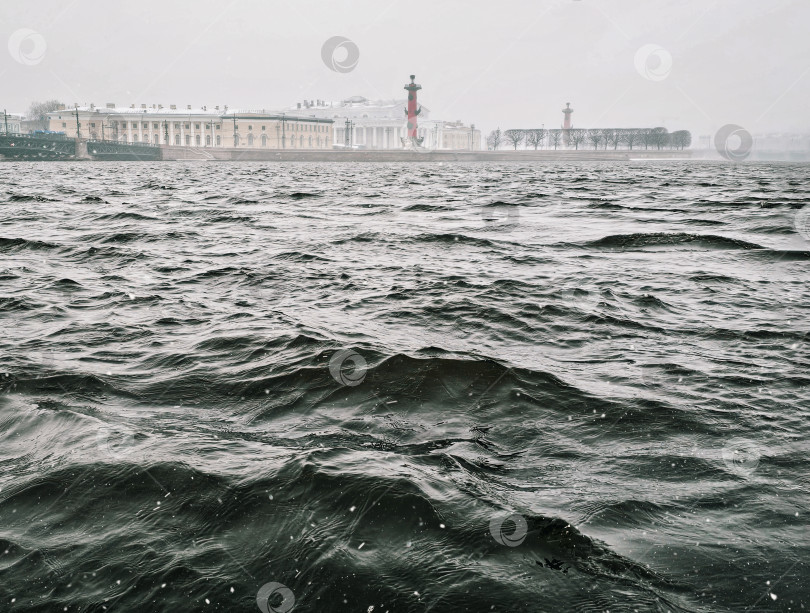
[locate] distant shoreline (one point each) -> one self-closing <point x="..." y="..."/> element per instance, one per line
<point x="204" y="154"/>
<point x="171" y="153"/>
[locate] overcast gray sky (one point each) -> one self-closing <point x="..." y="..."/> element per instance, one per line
<point x="693" y="64"/>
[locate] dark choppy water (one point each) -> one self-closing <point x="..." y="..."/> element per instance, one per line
<point x="619" y="362"/>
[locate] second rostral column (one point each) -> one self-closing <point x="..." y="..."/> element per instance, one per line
<point x="412" y="140"/>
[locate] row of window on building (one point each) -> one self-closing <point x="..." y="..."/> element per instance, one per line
<point x="287" y="134"/>
<point x="196" y="140"/>
<point x="294" y="127"/>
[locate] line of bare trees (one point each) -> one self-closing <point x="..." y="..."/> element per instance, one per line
<point x="600" y="138"/>
<point x="38" y="112"/>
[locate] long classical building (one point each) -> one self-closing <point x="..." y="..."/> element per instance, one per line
<point x="315" y="124"/>
<point x="202" y="127"/>
<point x="381" y="124"/>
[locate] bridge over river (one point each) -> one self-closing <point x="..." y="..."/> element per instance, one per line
<point x="61" y="147"/>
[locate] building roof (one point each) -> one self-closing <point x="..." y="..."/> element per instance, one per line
<point x="356" y="107"/>
<point x="150" y="110"/>
<point x="224" y="113"/>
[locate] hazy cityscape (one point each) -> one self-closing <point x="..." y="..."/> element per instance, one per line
<point x="353" y="123"/>
<point x="405" y="307"/>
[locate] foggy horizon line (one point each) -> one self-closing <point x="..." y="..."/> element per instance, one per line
<point x="227" y="109"/>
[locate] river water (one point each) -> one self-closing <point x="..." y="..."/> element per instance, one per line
<point x="368" y="387"/>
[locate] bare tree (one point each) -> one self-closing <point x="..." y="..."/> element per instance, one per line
<point x="535" y="137"/>
<point x="595" y="136"/>
<point x="495" y="139"/>
<point x="38" y="111"/>
<point x="541" y="133"/>
<point x="631" y="136"/>
<point x="576" y="136"/>
<point x="659" y="137"/>
<point x="554" y="138"/>
<point x="515" y="137"/>
<point x="610" y="136"/>
<point x="647" y="137"/>
<point x="680" y="139"/>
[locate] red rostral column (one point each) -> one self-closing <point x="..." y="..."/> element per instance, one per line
<point x="567" y="122"/>
<point x="412" y="111"/>
<point x="567" y="112"/>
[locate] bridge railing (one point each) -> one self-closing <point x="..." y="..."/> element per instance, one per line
<point x="65" y="137"/>
<point x="36" y="136"/>
<point x="118" y="142"/>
